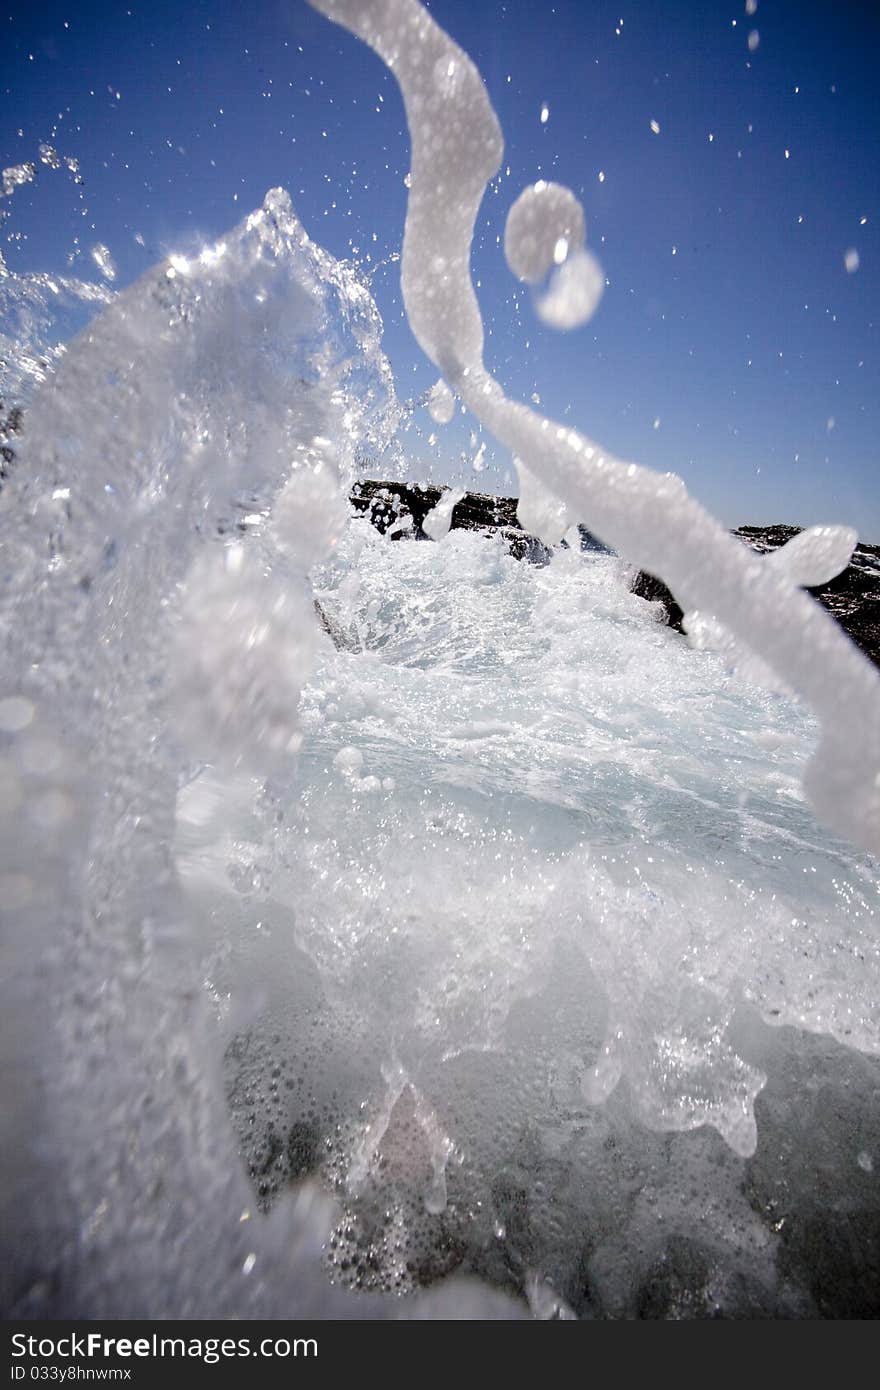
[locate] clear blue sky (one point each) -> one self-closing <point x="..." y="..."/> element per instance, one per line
<point x="752" y="346"/>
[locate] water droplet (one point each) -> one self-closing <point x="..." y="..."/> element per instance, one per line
<point x="441" y="403"/>
<point x="104" y="261"/>
<point x="16" y="713"/>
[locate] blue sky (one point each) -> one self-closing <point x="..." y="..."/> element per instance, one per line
<point x="732" y="345"/>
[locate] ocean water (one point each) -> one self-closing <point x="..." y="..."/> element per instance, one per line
<point x="547" y="921"/>
<point x="495" y="942"/>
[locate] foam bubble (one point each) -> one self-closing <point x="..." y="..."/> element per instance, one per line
<point x="438" y="521"/>
<point x="538" y="511"/>
<point x="573" y="294"/>
<point x="311" y="512"/>
<point x="544" y="226"/>
<point x="16" y="714"/>
<point x="441" y="403"/>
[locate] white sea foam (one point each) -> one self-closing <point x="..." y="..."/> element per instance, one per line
<point x="457" y="143"/>
<point x="540" y="859"/>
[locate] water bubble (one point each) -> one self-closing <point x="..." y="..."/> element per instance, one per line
<point x="441" y="403"/>
<point x="349" y="760"/>
<point x="310" y="512"/>
<point x="16" y="891"/>
<point x="15" y="176"/>
<point x="51" y="809"/>
<point x="10" y="789"/>
<point x="448" y="76"/>
<point x="438" y="521"/>
<point x="39" y="755"/>
<point x="104" y="261"/>
<point x="16" y="713"/>
<point x="573" y="293"/>
<point x="543" y="217"/>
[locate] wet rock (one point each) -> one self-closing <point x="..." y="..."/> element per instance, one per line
<point x="398" y="510"/>
<point x="344" y="640"/>
<point x="653" y="590"/>
<point x="852" y="597"/>
<point x="10" y="425"/>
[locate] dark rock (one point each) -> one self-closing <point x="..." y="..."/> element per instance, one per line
<point x="398" y="510"/>
<point x="591" y="542"/>
<point x="852" y="597"/>
<point x="764" y="538"/>
<point x="480" y="511"/>
<point x="344" y="641"/>
<point x="10" y="425"/>
<point x="653" y="590"/>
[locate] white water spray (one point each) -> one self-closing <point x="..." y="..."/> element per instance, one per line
<point x="650" y="518"/>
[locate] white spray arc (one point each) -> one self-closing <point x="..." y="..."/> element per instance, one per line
<point x="456" y="149"/>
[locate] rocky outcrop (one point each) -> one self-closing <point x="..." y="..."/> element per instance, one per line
<point x="399" y="510"/>
<point x="10" y="424"/>
<point x="853" y="596"/>
<point x="653" y="590"/>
